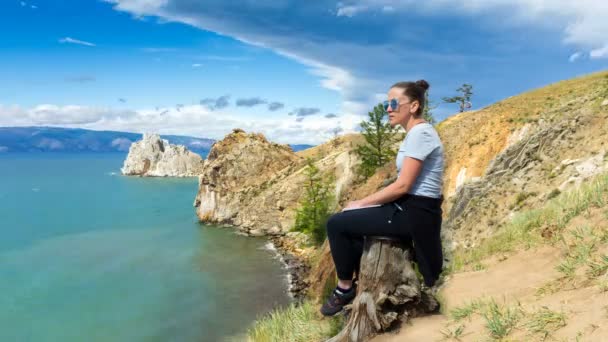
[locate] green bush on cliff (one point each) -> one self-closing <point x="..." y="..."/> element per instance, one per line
<point x="315" y="204"/>
<point x="379" y="137"/>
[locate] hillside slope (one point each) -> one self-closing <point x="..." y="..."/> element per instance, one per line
<point x="513" y="178"/>
<point x="521" y="151"/>
<point x="507" y="159"/>
<point x="544" y="277"/>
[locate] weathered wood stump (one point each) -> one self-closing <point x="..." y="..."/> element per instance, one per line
<point x="388" y="291"/>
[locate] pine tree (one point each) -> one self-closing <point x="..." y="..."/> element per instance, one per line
<point x="379" y="137"/>
<point x="315" y="205"/>
<point x="465" y="100"/>
<point x="428" y="107"/>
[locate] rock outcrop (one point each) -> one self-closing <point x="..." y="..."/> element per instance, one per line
<point x="255" y="185"/>
<point x="155" y="157"/>
<point x="557" y="140"/>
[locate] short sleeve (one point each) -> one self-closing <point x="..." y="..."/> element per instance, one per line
<point x="419" y="145"/>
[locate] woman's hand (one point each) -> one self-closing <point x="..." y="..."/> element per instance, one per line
<point x="354" y="204"/>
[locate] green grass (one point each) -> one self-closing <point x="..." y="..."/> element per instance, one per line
<point x="525" y="227"/>
<point x="585" y="241"/>
<point x="466" y="310"/>
<point x="500" y="320"/>
<point x="567" y="268"/>
<point x="599" y="268"/>
<point x="522" y="196"/>
<point x="456" y="334"/>
<point x="297" y="323"/>
<point x="544" y="321"/>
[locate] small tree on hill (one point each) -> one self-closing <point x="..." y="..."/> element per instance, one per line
<point x="429" y="106"/>
<point x="463" y="100"/>
<point x="379" y="137"/>
<point x="315" y="205"/>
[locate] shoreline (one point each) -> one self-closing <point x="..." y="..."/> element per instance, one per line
<point x="297" y="269"/>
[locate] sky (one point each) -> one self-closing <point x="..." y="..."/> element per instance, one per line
<point x="296" y="71"/>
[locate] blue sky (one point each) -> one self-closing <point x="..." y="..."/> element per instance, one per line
<point x="277" y="67"/>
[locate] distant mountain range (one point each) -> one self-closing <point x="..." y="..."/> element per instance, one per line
<point x="56" y="139"/>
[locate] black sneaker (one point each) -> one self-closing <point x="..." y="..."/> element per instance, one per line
<point x="337" y="300"/>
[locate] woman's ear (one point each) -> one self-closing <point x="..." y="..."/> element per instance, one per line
<point x="414" y="107"/>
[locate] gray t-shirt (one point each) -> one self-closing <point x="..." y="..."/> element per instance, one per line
<point x="422" y="142"/>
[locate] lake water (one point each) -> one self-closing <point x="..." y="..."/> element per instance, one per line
<point x="89" y="255"/>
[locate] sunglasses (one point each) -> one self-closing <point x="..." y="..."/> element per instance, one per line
<point x="393" y="103"/>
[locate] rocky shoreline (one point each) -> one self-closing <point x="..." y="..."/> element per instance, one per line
<point x="297" y="268"/>
<point x="255" y="186"/>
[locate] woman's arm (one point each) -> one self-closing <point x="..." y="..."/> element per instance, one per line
<point x="409" y="171"/>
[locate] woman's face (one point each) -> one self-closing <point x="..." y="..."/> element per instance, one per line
<point x="405" y="108"/>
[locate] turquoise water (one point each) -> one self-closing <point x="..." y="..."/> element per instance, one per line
<point x="89" y="255"/>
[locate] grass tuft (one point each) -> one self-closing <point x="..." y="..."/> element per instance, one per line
<point x="525" y="228"/>
<point x="298" y="323"/>
<point x="466" y="311"/>
<point x="456" y="334"/>
<point x="599" y="268"/>
<point x="544" y="322"/>
<point x="500" y="320"/>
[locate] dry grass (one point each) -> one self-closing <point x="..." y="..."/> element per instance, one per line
<point x="527" y="228"/>
<point x="500" y="320"/>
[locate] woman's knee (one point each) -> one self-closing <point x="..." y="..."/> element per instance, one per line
<point x="333" y="224"/>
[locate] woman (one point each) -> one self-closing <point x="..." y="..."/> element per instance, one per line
<point x="410" y="207"/>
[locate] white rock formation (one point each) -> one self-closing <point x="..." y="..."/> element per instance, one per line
<point x="155" y="157"/>
<point x="462" y="174"/>
<point x="518" y="135"/>
<point x="585" y="169"/>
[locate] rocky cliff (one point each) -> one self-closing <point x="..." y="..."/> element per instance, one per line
<point x="519" y="152"/>
<point x="155" y="157"/>
<point x="255" y="184"/>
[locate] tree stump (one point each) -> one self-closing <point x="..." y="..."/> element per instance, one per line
<point x="388" y="291"/>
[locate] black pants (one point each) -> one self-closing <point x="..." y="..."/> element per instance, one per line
<point x="419" y="223"/>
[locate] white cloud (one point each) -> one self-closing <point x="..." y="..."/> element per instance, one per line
<point x="599" y="53"/>
<point x="197" y="65"/>
<point x="123" y="144"/>
<point x="358" y="66"/>
<point x="69" y="40"/>
<point x="193" y="120"/>
<point x="575" y="56"/>
<point x="583" y="23"/>
<point x="50" y="144"/>
<point x="349" y="11"/>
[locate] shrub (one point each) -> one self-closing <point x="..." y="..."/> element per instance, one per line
<point x="315" y="204"/>
<point x="379" y="137"/>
